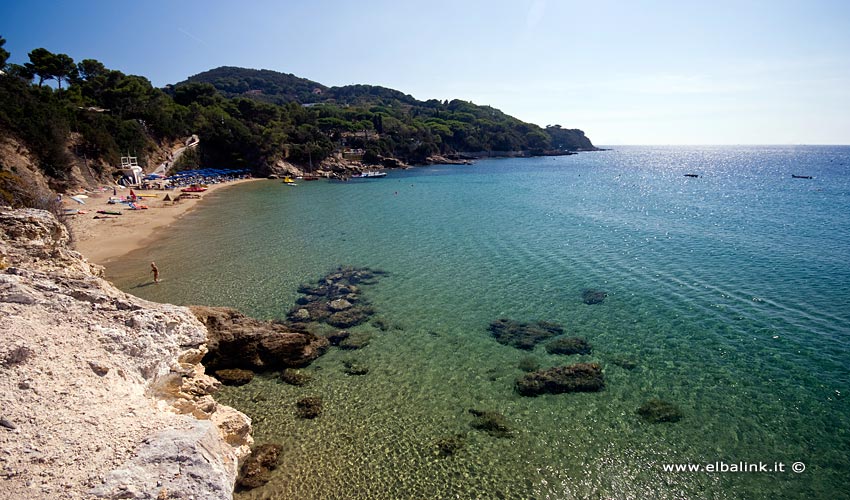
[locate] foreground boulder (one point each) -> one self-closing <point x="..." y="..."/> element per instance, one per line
<point x="237" y="341"/>
<point x="523" y="335"/>
<point x="196" y="451"/>
<point x="580" y="377"/>
<point x="103" y="393"/>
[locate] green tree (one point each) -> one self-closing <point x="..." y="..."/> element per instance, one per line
<point x="42" y="63"/>
<point x="90" y="69"/>
<point x="63" y="68"/>
<point x="4" y="54"/>
<point x="20" y="71"/>
<point x="203" y="93"/>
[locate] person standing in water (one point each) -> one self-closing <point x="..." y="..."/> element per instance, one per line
<point x="155" y="271"/>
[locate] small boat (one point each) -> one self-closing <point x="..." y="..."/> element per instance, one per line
<point x="369" y="174"/>
<point x="310" y="177"/>
<point x="691" y="175"/>
<point x="801" y="176"/>
<point x="194" y="189"/>
<point x="288" y="180"/>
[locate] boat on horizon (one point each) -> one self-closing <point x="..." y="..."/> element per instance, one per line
<point x="793" y="176"/>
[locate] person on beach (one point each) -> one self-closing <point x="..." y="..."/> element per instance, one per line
<point x="155" y="271"/>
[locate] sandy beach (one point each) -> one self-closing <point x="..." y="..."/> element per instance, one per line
<point x="101" y="239"/>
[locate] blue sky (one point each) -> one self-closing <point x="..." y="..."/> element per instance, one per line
<point x="641" y="72"/>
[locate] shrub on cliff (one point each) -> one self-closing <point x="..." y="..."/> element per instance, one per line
<point x="17" y="193"/>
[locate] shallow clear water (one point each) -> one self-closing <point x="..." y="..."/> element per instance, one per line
<point x="730" y="291"/>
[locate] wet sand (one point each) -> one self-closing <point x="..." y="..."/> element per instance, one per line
<point x="103" y="240"/>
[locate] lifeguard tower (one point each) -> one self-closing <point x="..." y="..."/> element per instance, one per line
<point x="131" y="170"/>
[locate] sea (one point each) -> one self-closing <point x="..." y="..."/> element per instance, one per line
<point x="728" y="296"/>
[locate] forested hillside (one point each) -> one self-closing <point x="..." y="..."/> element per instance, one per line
<point x="67" y="114"/>
<point x="410" y="129"/>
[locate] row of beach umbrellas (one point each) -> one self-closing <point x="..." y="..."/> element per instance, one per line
<point x="207" y="172"/>
<point x="204" y="172"/>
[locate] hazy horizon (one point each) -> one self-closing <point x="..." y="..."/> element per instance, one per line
<point x="654" y="73"/>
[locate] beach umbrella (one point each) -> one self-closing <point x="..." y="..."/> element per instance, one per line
<point x="78" y="200"/>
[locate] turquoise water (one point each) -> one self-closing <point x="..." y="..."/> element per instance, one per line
<point x="730" y="292"/>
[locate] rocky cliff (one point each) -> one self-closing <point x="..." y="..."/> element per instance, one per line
<point x="102" y="394"/>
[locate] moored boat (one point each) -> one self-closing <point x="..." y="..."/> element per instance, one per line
<point x="369" y="174"/>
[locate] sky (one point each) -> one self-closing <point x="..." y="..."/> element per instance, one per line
<point x="625" y="72"/>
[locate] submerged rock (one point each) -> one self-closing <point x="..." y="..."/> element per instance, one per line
<point x="450" y="445"/>
<point x="255" y="472"/>
<point x="350" y="317"/>
<point x="580" y="377"/>
<point x="523" y="335"/>
<point x="591" y="296"/>
<point x="494" y="424"/>
<point x="339" y="305"/>
<point x="309" y="407"/>
<point x="529" y="364"/>
<point x="234" y="376"/>
<point x="336" y="337"/>
<point x="380" y="324"/>
<point x="295" y="377"/>
<point x="352" y="368"/>
<point x="623" y="361"/>
<point x="302" y="314"/>
<point x="657" y="411"/>
<point x="568" y="345"/>
<point x="357" y="340"/>
<point x="334" y="299"/>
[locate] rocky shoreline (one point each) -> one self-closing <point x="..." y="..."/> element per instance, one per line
<point x="103" y="394"/>
<point x="340" y="167"/>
